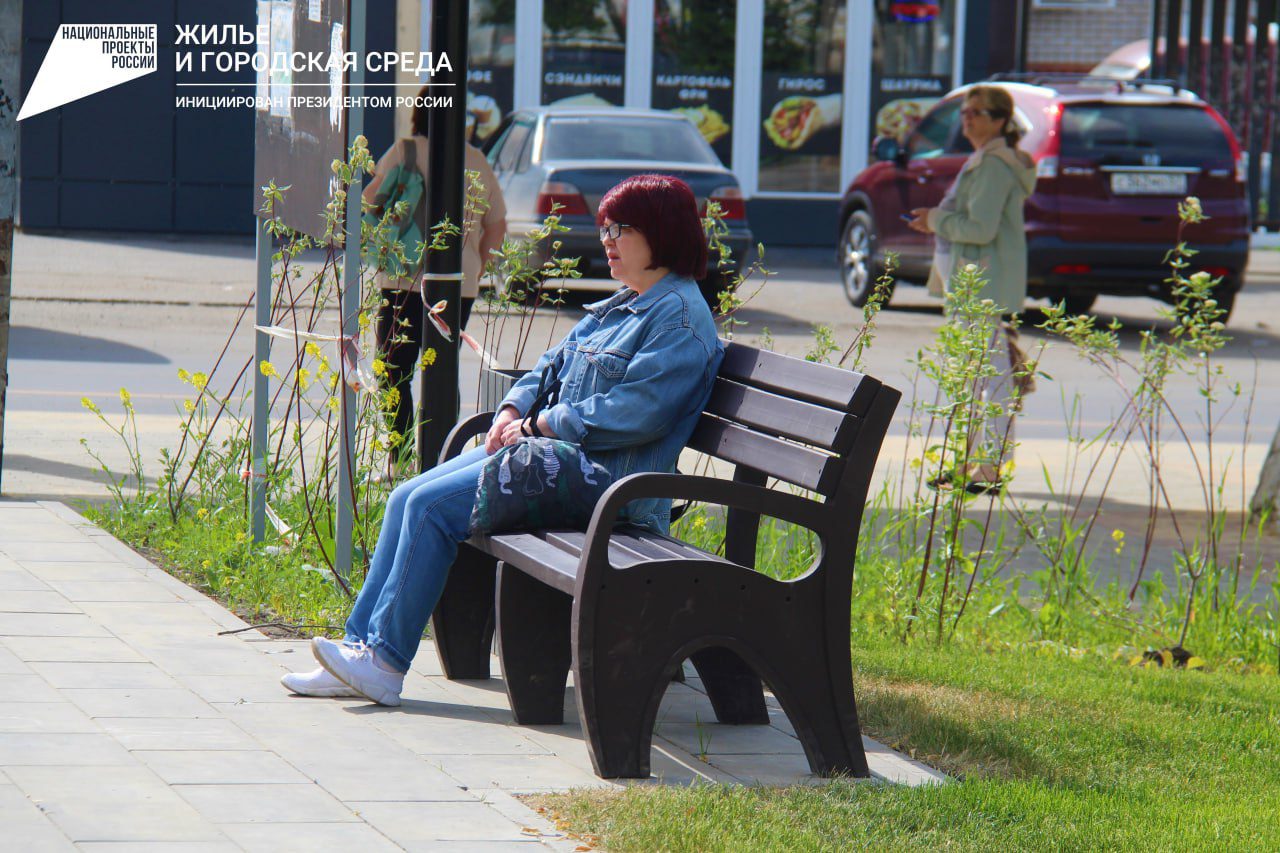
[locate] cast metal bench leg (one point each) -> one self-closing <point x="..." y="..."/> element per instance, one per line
<point x="533" y="645"/>
<point x="732" y="685"/>
<point x="823" y="715"/>
<point x="614" y="707"/>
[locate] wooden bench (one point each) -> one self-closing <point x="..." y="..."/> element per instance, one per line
<point x="624" y="607"/>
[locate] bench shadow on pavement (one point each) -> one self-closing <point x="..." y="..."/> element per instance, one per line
<point x="55" y="468"/>
<point x="432" y="708"/>
<point x="203" y="245"/>
<point x="54" y="345"/>
<point x="1243" y="331"/>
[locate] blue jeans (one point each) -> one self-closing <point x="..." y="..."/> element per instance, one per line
<point x="425" y="520"/>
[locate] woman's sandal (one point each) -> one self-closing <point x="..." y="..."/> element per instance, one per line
<point x="944" y="482"/>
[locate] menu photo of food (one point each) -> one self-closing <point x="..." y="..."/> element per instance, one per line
<point x="710" y="122"/>
<point x="486" y="113"/>
<point x="898" y="118"/>
<point x="795" y="119"/>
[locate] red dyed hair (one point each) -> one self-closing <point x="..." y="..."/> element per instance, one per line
<point x="662" y="208"/>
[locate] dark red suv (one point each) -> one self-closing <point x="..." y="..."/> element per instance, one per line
<point x="1113" y="161"/>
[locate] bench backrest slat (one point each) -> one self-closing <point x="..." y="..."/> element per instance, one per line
<point x="789" y="419"/>
<point x="778" y="415"/>
<point x="823" y="384"/>
<point x="784" y="460"/>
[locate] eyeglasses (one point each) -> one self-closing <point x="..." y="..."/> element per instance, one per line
<point x="612" y="232"/>
<point x="970" y="112"/>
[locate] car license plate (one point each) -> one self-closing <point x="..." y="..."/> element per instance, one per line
<point x="1148" y="183"/>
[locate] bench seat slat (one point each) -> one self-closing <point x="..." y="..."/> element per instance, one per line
<point x="780" y="415"/>
<point x="824" y="384"/>
<point x="631" y="545"/>
<point x="533" y="556"/>
<point x="620" y="555"/>
<point x="682" y="549"/>
<point x="652" y="548"/>
<point x="780" y="459"/>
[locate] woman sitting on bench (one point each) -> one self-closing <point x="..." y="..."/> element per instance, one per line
<point x="636" y="373"/>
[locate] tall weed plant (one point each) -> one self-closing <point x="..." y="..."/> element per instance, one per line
<point x="941" y="565"/>
<point x="936" y="563"/>
<point x="195" y="515"/>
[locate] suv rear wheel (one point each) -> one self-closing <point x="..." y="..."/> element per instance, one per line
<point x="858" y="269"/>
<point x="1077" y="303"/>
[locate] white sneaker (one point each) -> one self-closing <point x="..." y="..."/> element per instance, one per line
<point x="318" y="682"/>
<point x="355" y="667"/>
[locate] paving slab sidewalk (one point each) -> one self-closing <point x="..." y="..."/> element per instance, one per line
<point x="127" y="717"/>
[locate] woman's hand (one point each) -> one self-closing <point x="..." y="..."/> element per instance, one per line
<point x="920" y="220"/>
<point x="494" y="439"/>
<point x="518" y="429"/>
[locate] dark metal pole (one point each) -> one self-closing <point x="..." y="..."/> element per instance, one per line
<point x="344" y="522"/>
<point x="1238" y="76"/>
<point x="1258" y="101"/>
<point x="10" y="96"/>
<point x="1273" y="180"/>
<point x="1023" y="26"/>
<point x="258" y="437"/>
<point x="438" y="400"/>
<point x="1218" y="72"/>
<point x="1156" y="69"/>
<point x="1175" y="68"/>
<point x="1195" y="78"/>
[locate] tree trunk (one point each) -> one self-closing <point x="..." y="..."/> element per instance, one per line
<point x="10" y="93"/>
<point x="1268" y="490"/>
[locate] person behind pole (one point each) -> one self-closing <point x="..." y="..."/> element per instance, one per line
<point x="636" y="373"/>
<point x="980" y="221"/>
<point x="399" y="323"/>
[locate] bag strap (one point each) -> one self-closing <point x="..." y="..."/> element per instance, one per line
<point x="548" y="394"/>
<point x="409" y="163"/>
<point x="408" y="155"/>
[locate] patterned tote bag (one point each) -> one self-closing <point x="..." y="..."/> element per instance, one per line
<point x="538" y="482"/>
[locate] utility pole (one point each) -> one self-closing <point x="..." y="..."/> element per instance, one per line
<point x="10" y="92"/>
<point x="446" y="197"/>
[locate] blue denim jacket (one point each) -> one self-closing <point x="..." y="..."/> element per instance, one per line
<point x="637" y="372"/>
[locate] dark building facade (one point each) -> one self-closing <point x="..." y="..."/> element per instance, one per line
<point x="789" y="93"/>
<point x="128" y="158"/>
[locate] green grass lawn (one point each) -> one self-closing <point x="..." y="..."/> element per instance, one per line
<point x="1050" y="753"/>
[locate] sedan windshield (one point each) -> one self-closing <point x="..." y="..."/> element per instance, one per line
<point x="625" y="138"/>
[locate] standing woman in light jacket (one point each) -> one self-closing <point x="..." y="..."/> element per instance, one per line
<point x="636" y="374"/>
<point x="399" y="324"/>
<point x="980" y="222"/>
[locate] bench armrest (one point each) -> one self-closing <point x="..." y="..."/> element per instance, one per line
<point x="463" y="432"/>
<point x="755" y="499"/>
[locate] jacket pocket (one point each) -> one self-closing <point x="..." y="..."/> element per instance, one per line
<point x="970" y="253"/>
<point x="611" y="364"/>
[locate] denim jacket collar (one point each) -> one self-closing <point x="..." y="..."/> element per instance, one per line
<point x="636" y="304"/>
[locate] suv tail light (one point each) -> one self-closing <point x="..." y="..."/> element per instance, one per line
<point x="1239" y="157"/>
<point x="1047" y="157"/>
<point x="732" y="204"/>
<point x="566" y="195"/>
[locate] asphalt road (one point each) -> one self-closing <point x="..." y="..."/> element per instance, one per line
<point x="94" y="314"/>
